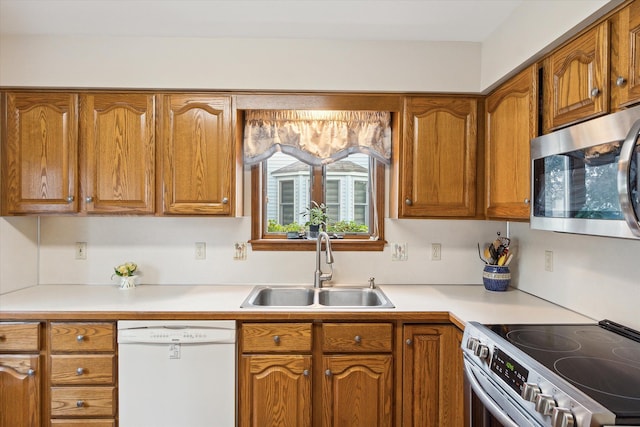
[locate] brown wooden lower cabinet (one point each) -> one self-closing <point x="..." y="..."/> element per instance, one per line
<point x="20" y="390"/>
<point x="432" y="376"/>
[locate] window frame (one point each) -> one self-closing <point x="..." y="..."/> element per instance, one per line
<point x="263" y="241"/>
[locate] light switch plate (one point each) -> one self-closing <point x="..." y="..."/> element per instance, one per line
<point x="399" y="252"/>
<point x="201" y="250"/>
<point x="81" y="250"/>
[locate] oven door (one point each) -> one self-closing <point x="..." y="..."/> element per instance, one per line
<point x="487" y="404"/>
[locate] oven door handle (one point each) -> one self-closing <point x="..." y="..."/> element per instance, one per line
<point x="486" y="400"/>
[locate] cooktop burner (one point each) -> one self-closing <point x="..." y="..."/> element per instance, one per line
<point x="600" y="362"/>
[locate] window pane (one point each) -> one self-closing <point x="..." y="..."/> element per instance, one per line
<point x="347" y="194"/>
<point x="287" y="193"/>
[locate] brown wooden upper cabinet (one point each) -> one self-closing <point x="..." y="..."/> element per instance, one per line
<point x="576" y="79"/>
<point x="118" y="153"/>
<point x="39" y="153"/>
<point x="511" y="123"/>
<point x="437" y="165"/>
<point x="625" y="57"/>
<point x="198" y="154"/>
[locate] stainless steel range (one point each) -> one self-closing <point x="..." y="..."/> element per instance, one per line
<point x="552" y="375"/>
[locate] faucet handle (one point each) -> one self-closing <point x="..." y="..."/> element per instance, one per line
<point x="372" y="282"/>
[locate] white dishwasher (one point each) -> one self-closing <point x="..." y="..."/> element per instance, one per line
<point x="176" y="373"/>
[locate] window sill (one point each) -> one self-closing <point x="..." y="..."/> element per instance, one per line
<point x="359" y="245"/>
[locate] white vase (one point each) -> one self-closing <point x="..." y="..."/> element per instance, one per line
<point x="127" y="282"/>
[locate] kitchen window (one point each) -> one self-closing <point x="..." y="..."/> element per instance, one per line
<point x="295" y="161"/>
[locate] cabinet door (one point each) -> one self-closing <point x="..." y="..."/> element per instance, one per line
<point x="357" y="391"/>
<point x="198" y="154"/>
<point x="576" y="79"/>
<point x="275" y="391"/>
<point x="39" y="153"/>
<point x="118" y="153"/>
<point x="625" y="60"/>
<point x="438" y="163"/>
<point x="432" y="376"/>
<point x="511" y="124"/>
<point x="20" y="390"/>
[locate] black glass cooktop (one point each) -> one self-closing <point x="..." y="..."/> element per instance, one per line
<point x="602" y="360"/>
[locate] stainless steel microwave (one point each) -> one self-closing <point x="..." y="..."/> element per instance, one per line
<point x="586" y="178"/>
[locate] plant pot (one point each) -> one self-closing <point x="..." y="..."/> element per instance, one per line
<point x="496" y="278"/>
<point x="312" y="234"/>
<point x="127" y="282"/>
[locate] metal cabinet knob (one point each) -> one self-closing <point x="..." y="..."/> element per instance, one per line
<point x="328" y="372"/>
<point x="527" y="201"/>
<point x="276" y="339"/>
<point x="595" y="92"/>
<point x="70" y="199"/>
<point x="620" y="81"/>
<point x="79" y="371"/>
<point x="80" y="338"/>
<point x="79" y="403"/>
<point x="408" y="341"/>
<point x="357" y="339"/>
<point x="225" y="200"/>
<point x="31" y="372"/>
<point x="305" y="372"/>
<point x="88" y="199"/>
<point x="408" y="202"/>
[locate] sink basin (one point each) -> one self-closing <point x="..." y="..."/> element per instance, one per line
<point x="298" y="297"/>
<point x="353" y="297"/>
<point x="280" y="297"/>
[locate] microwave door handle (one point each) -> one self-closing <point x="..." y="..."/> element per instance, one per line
<point x="486" y="400"/>
<point x="624" y="169"/>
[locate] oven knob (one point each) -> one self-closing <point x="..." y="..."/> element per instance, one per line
<point x="482" y="351"/>
<point x="562" y="417"/>
<point x="472" y="343"/>
<point x="545" y="404"/>
<point x="530" y="392"/>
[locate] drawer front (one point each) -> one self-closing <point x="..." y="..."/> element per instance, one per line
<point x="19" y="336"/>
<point x="276" y="337"/>
<point x="83" y="423"/>
<point x="357" y="337"/>
<point x="83" y="401"/>
<point x="90" y="369"/>
<point x="82" y="337"/>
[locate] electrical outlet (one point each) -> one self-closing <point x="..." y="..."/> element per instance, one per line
<point x="81" y="250"/>
<point x="201" y="250"/>
<point x="436" y="252"/>
<point x="399" y="252"/>
<point x="548" y="260"/>
<point x="240" y="251"/>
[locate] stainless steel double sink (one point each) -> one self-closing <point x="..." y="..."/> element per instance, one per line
<point x="303" y="296"/>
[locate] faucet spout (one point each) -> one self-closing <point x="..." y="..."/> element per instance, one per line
<point x="319" y="277"/>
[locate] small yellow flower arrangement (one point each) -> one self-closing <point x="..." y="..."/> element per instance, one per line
<point x="125" y="272"/>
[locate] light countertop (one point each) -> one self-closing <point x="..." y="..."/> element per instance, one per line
<point x="462" y="302"/>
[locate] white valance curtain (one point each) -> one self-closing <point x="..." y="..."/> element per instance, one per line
<point x="316" y="137"/>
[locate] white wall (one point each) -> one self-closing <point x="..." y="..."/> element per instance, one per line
<point x="18" y="253"/>
<point x="164" y="246"/>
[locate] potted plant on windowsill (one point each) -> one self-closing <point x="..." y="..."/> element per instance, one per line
<point x="317" y="218"/>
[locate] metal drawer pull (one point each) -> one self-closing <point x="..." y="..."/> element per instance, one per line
<point x="31" y="372"/>
<point x="305" y="372"/>
<point x="408" y="202"/>
<point x="595" y="92"/>
<point x="328" y="372"/>
<point x="357" y="339"/>
<point x="89" y="199"/>
<point x="225" y="200"/>
<point x="276" y="339"/>
<point x="620" y="81"/>
<point x="79" y="371"/>
<point x="408" y="341"/>
<point x="70" y="199"/>
<point x="79" y="403"/>
<point x="80" y="338"/>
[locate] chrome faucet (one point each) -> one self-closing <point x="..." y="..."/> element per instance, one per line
<point x="319" y="276"/>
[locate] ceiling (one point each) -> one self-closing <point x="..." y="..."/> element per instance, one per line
<point x="407" y="20"/>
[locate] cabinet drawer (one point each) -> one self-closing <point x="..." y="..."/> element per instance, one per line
<point x="89" y="369"/>
<point x="357" y="337"/>
<point x="270" y="337"/>
<point x="19" y="336"/>
<point x="83" y="401"/>
<point x="83" y="423"/>
<point x="74" y="337"/>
